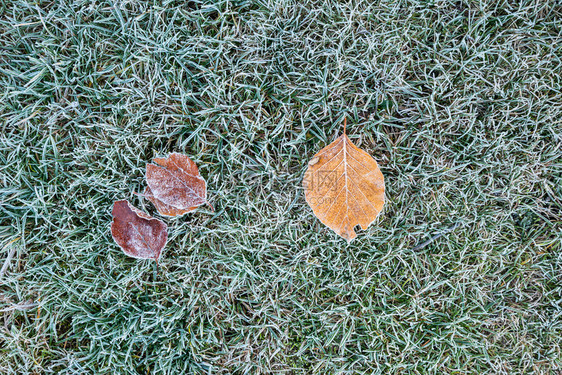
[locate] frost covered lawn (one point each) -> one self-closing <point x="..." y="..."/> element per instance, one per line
<point x="459" y="102"/>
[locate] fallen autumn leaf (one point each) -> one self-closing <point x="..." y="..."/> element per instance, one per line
<point x="137" y="234"/>
<point x="175" y="186"/>
<point x="344" y="187"/>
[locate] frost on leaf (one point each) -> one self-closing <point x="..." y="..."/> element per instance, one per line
<point x="137" y="234"/>
<point x="344" y="187"/>
<point x="175" y="186"/>
<point x="163" y="208"/>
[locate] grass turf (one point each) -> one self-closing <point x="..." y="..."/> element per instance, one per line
<point x="459" y="102"/>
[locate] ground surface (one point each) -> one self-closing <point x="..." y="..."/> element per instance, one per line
<point x="459" y="102"/>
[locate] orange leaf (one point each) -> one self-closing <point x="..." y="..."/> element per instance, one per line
<point x="175" y="186"/>
<point x="344" y="187"/>
<point x="137" y="234"/>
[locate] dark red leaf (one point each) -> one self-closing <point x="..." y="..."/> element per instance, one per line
<point x="138" y="234"/>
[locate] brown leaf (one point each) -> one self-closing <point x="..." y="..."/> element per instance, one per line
<point x="137" y="234"/>
<point x="175" y="185"/>
<point x="344" y="187"/>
